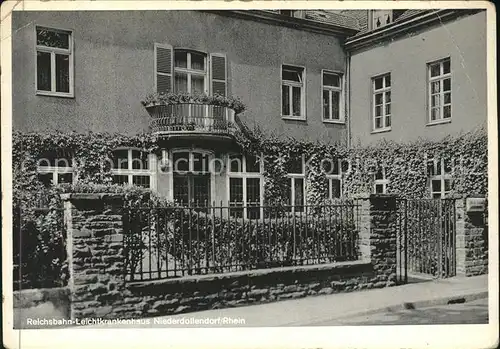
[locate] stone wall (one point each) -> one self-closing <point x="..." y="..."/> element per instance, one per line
<point x="174" y="296"/>
<point x="95" y="253"/>
<point x="98" y="286"/>
<point x="471" y="241"/>
<point x="383" y="238"/>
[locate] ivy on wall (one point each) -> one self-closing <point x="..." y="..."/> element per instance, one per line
<point x="405" y="163"/>
<point x="91" y="152"/>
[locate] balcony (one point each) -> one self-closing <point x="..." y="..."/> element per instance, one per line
<point x="191" y="118"/>
<point x="183" y="115"/>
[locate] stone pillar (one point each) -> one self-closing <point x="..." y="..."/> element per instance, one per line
<point x="95" y="254"/>
<point x="364" y="223"/>
<point x="383" y="238"/>
<point x="471" y="241"/>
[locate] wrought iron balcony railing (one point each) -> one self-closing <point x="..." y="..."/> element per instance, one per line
<point x="191" y="118"/>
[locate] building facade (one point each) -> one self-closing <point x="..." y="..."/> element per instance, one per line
<point x="89" y="71"/>
<point x="421" y="75"/>
<point x="349" y="78"/>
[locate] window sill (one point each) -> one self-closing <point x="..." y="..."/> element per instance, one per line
<point x="55" y="94"/>
<point x="381" y="130"/>
<point x="439" y="122"/>
<point x="337" y="122"/>
<point x="296" y="118"/>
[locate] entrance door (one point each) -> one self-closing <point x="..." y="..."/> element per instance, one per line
<point x="191" y="178"/>
<point x="192" y="189"/>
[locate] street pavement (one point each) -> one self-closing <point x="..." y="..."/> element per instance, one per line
<point x="325" y="310"/>
<point x="474" y="312"/>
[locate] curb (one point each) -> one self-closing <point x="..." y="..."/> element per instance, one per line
<point x="455" y="299"/>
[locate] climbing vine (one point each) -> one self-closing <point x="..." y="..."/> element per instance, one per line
<point x="406" y="164"/>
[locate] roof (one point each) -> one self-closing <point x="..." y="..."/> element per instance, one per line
<point x="405" y="20"/>
<point x="361" y="17"/>
<point x="329" y="17"/>
<point x="333" y="18"/>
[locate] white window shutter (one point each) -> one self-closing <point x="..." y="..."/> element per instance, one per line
<point x="164" y="61"/>
<point x="218" y="74"/>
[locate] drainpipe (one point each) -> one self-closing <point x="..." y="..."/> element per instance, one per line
<point x="348" y="98"/>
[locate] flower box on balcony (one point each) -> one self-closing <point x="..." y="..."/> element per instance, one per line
<point x="159" y="99"/>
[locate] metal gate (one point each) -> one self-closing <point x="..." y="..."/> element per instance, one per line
<point x="426" y="230"/>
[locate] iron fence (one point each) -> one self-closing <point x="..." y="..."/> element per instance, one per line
<point x="176" y="241"/>
<point x="191" y="117"/>
<point x="426" y="231"/>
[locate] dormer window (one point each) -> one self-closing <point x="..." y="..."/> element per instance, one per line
<point x="292" y="13"/>
<point x="380" y="18"/>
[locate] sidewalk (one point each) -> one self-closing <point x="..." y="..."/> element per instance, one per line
<point x="312" y="310"/>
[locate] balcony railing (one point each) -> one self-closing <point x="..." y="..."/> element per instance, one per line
<point x="191" y="118"/>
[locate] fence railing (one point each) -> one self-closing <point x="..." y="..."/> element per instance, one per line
<point x="191" y="117"/>
<point x="169" y="242"/>
<point x="426" y="230"/>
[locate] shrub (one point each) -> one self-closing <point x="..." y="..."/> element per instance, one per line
<point x="206" y="243"/>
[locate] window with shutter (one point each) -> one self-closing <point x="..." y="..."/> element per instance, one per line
<point x="163" y="68"/>
<point x="218" y="74"/>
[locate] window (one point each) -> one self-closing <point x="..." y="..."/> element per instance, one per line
<point x="191" y="72"/>
<point x="381" y="88"/>
<point x="380" y="181"/>
<point x="132" y="167"/>
<point x="188" y="71"/>
<point x="291" y="13"/>
<point x="380" y="18"/>
<point x="439" y="172"/>
<point x="190" y="76"/>
<point x="439" y="91"/>
<point x="245" y="186"/>
<point x="56" y="167"/>
<point x="54" y="62"/>
<point x="191" y="177"/>
<point x="333" y="169"/>
<point x="292" y="92"/>
<point x="296" y="185"/>
<point x="332" y="97"/>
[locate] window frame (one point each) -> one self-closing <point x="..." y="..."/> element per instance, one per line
<point x="331" y="177"/>
<point x="53" y="51"/>
<point x="442" y="177"/>
<point x="189" y="71"/>
<point x="291" y="84"/>
<point x="383" y="90"/>
<point x="340" y="90"/>
<point x="293" y="177"/>
<point x="440" y="78"/>
<point x="244" y="175"/>
<point x="130" y="172"/>
<point x="191" y="172"/>
<point x="383" y="182"/>
<point x="293" y="13"/>
<point x="56" y="170"/>
<point x="372" y="17"/>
